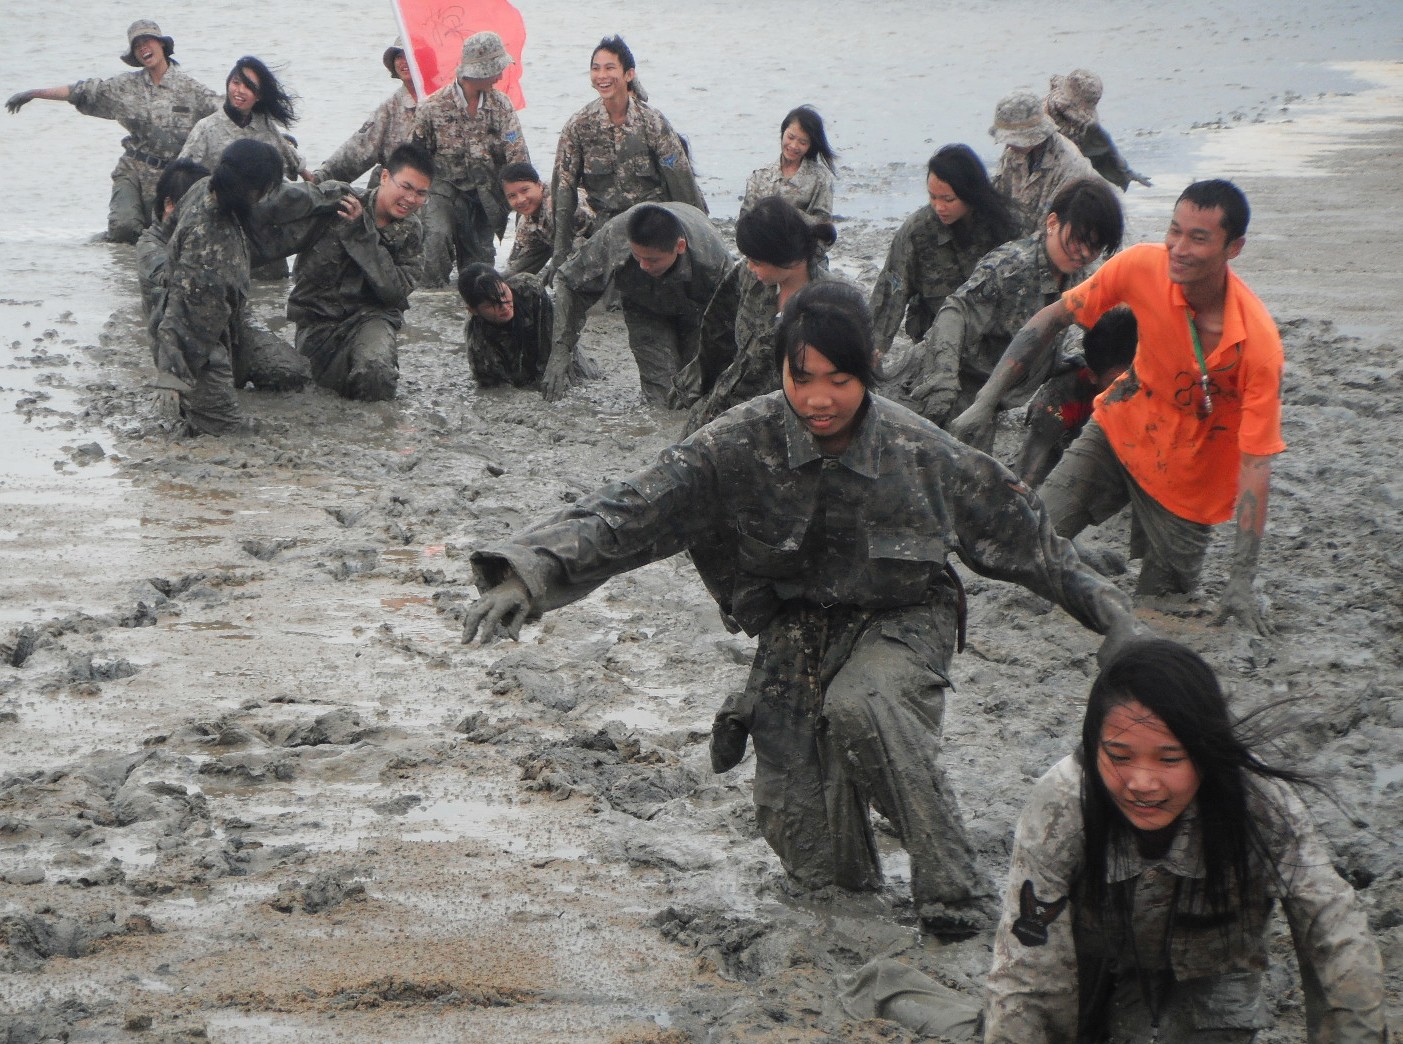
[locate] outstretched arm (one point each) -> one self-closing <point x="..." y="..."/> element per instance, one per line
<point x="23" y="98"/>
<point x="1239" y="599"/>
<point x="1025" y="352"/>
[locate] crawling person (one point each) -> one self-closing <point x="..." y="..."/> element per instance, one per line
<point x="821" y="518"/>
<point x="508" y="331"/>
<point x="1144" y="873"/>
<point x="1059" y="410"/>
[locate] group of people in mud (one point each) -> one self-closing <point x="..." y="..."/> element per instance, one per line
<point x="821" y="494"/>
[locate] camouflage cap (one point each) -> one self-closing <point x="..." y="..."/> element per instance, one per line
<point x="1075" y="95"/>
<point x="138" y="29"/>
<point x="1019" y="120"/>
<point x="484" y="56"/>
<point x="392" y="52"/>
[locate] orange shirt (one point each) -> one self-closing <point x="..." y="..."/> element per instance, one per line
<point x="1188" y="463"/>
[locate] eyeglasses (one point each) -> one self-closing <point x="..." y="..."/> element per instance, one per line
<point x="417" y="193"/>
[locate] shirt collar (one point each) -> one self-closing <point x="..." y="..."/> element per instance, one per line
<point x="1184" y="858"/>
<point x="863" y="455"/>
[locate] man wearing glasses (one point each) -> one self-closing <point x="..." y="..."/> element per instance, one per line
<point x="1187" y="435"/>
<point x="351" y="287"/>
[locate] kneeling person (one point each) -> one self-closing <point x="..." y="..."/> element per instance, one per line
<point x="352" y="285"/>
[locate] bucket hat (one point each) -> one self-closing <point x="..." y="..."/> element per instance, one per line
<point x="484" y="56"/>
<point x="1019" y="120"/>
<point x="1076" y="95"/>
<point x="138" y="29"/>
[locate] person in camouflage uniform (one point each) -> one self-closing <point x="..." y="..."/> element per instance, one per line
<point x="1037" y="160"/>
<point x="616" y="152"/>
<point x="937" y="247"/>
<point x="158" y="107"/>
<point x="529" y="198"/>
<point x="1144" y="874"/>
<point x="803" y="174"/>
<point x="782" y="253"/>
<point x="667" y="263"/>
<point x="472" y="132"/>
<point x="1010" y="284"/>
<point x="820" y="518"/>
<point x="508" y="331"/>
<point x="1071" y="102"/>
<point x="389" y="126"/>
<point x="256" y="106"/>
<point x="351" y="287"/>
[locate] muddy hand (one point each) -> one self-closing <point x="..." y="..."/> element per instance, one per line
<point x="19" y="101"/>
<point x="967" y="424"/>
<point x="1138" y="177"/>
<point x="505" y="606"/>
<point x="555" y="382"/>
<point x="350" y="207"/>
<point x="1240" y="601"/>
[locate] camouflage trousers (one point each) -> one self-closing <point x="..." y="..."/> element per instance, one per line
<point x="657" y="346"/>
<point x="1090" y="484"/>
<point x="133" y="195"/>
<point x="457" y="227"/>
<point x="355" y="358"/>
<point x="844" y="707"/>
<point x="254" y="356"/>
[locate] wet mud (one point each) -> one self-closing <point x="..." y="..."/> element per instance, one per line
<point x="252" y="786"/>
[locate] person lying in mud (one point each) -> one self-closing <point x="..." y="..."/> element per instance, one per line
<point x="508" y="331"/>
<point x="1190" y="430"/>
<point x="820" y="517"/>
<point x="1145" y="868"/>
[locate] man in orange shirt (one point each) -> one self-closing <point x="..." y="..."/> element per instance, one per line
<point x="1186" y="436"/>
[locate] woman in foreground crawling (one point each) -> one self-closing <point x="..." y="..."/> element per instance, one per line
<point x="1145" y="868"/>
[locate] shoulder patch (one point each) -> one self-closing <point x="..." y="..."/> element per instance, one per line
<point x="1034" y="915"/>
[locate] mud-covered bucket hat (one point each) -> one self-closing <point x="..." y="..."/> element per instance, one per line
<point x="1019" y="120"/>
<point x="484" y="56"/>
<point x="1076" y="95"/>
<point x="138" y="29"/>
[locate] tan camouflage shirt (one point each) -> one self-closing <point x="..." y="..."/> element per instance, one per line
<point x="1033" y="987"/>
<point x="810" y="189"/>
<point x="157" y="117"/>
<point x="535" y="240"/>
<point x="1033" y="189"/>
<point x="641" y="160"/>
<point x="389" y="127"/>
<point x="469" y="150"/>
<point x="216" y="132"/>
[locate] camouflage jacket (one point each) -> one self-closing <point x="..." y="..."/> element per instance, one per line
<point x="640" y="161"/>
<point x="151" y="248"/>
<point x="157" y="117"/>
<point x="207" y="280"/>
<point x="355" y="267"/>
<point x="514" y="353"/>
<point x="770" y="520"/>
<point x="469" y="150"/>
<point x="810" y="189"/>
<point x="389" y="127"/>
<point x="683" y="292"/>
<point x="535" y="240"/>
<point x="977" y="322"/>
<point x="216" y="132"/>
<point x="925" y="264"/>
<point x="1033" y="189"/>
<point x="1096" y="145"/>
<point x="1046" y="942"/>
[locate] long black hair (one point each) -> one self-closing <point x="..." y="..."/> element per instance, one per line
<point x="273" y="99"/>
<point x="1177" y="686"/>
<point x="831" y="317"/>
<point x="775" y="232"/>
<point x="247" y="171"/>
<point x="811" y="123"/>
<point x="992" y="213"/>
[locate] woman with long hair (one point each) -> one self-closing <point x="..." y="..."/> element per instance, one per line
<point x="614" y="153"/>
<point x="257" y="106"/>
<point x="803" y="174"/>
<point x="1145" y="868"/>
<point x="937" y="247"/>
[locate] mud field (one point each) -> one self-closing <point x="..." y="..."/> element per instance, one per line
<point x="252" y="786"/>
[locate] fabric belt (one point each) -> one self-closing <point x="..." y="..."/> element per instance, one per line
<point x="145" y="157"/>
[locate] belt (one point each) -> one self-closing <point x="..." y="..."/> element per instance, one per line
<point x="147" y="158"/>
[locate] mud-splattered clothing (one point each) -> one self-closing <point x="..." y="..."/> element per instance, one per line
<point x="513" y="353"/>
<point x="976" y="323"/>
<point x="609" y="169"/>
<point x="467" y="209"/>
<point x="349" y="293"/>
<point x="1064" y="973"/>
<point x="925" y="264"/>
<point x="1033" y="188"/>
<point x="389" y="127"/>
<point x="1057" y="413"/>
<point x="157" y="118"/>
<point x="751" y="371"/>
<point x="1096" y="145"/>
<point x="810" y="188"/>
<point x="1186" y="457"/>
<point x="839" y="565"/>
<point x="535" y="239"/>
<point x="217" y="131"/>
<point x="664" y="314"/>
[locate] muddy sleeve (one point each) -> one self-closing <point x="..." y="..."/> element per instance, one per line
<point x="716" y="348"/>
<point x="1341" y="969"/>
<point x="651" y="515"/>
<point x="104" y="99"/>
<point x="292" y="217"/>
<point x="1032" y="986"/>
<point x="675" y="166"/>
<point x="198" y="304"/>
<point x="389" y="277"/>
<point x="1003" y="532"/>
<point x="358" y="153"/>
<point x="565" y="191"/>
<point x="892" y="290"/>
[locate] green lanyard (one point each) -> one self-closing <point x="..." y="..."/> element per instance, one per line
<point x="1202" y="363"/>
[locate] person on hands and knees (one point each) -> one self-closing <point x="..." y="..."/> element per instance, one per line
<point x="1187" y="436"/>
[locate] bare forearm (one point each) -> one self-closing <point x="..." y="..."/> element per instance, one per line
<point x="1254" y="483"/>
<point x="1026" y="349"/>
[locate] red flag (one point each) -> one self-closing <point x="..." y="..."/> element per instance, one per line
<point x="435" y="30"/>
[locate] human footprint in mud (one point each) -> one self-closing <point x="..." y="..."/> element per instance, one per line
<point x="820" y="518"/>
<point x="1193" y="425"/>
<point x="1144" y="872"/>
